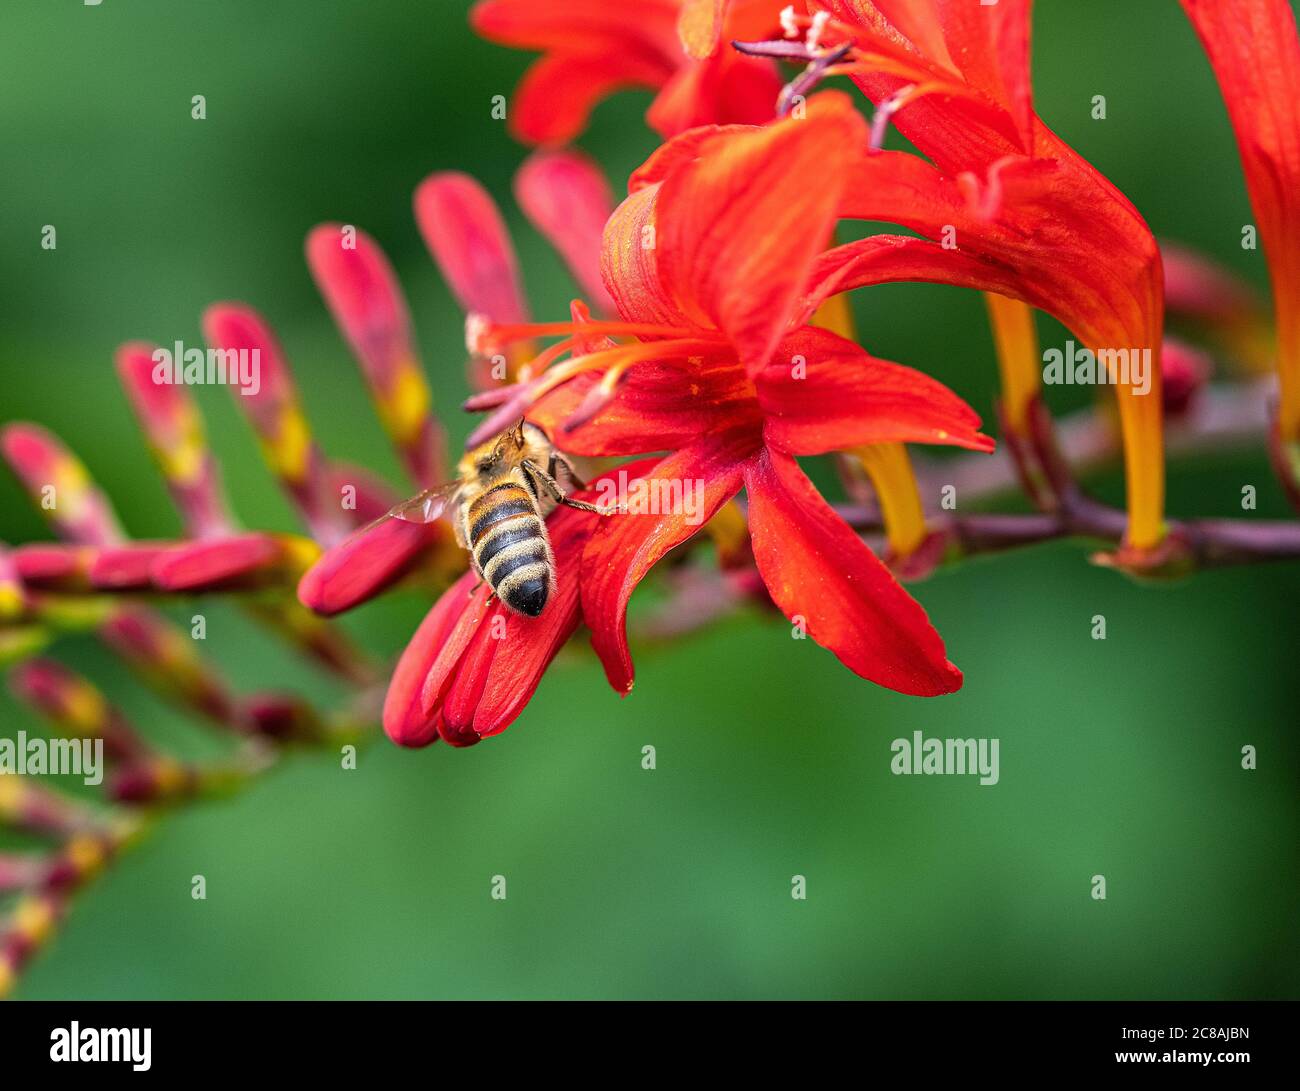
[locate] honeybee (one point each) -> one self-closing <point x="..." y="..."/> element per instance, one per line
<point x="502" y="498"/>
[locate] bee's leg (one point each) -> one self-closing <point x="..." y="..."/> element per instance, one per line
<point x="552" y="486"/>
<point x="473" y="563"/>
<point x="556" y="461"/>
<point x="481" y="583"/>
<point x="582" y="505"/>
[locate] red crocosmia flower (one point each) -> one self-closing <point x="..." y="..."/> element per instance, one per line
<point x="726" y="374"/>
<point x="593" y="47"/>
<point x="1255" y="52"/>
<point x="1003" y="204"/>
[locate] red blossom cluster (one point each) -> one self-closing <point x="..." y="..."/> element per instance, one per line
<point x="712" y="345"/>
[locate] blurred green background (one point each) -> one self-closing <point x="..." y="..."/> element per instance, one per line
<point x="1119" y="757"/>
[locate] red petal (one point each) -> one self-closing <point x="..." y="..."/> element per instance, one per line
<point x="920" y="23"/>
<point x="628" y="266"/>
<point x="362" y="565"/>
<point x="446" y="664"/>
<point x="468" y="239"/>
<point x="1049" y="230"/>
<point x="625" y="547"/>
<point x="725" y="89"/>
<point x="817" y="569"/>
<point x="596" y="26"/>
<point x="659" y="406"/>
<point x="1255" y="52"/>
<point x="682" y="148"/>
<point x="737" y="230"/>
<point x="956" y="131"/>
<point x="990" y="43"/>
<point x="364" y="296"/>
<point x="821" y="393"/>
<point x="888" y="259"/>
<point x="166" y="410"/>
<point x="122" y="568"/>
<point x="903" y="188"/>
<point x="404" y="721"/>
<point x="217" y="562"/>
<point x="456" y="715"/>
<point x="566" y="196"/>
<point x="53" y="565"/>
<point x="554" y="100"/>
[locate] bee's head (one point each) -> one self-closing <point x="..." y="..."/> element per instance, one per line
<point x="509" y="444"/>
<point x="506" y="449"/>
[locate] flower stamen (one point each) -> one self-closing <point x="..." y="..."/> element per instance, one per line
<point x="619" y="358"/>
<point x="597" y="397"/>
<point x="810" y="77"/>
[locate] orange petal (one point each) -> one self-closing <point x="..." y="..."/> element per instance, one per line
<point x="700" y="26"/>
<point x="626" y="546"/>
<point x="628" y="265"/>
<point x="823" y="577"/>
<point x="737" y="230"/>
<point x="1255" y="52"/>
<point x="554" y="100"/>
<point x="822" y="393"/>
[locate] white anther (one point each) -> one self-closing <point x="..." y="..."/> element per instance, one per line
<point x="477" y="327"/>
<point x="819" y="21"/>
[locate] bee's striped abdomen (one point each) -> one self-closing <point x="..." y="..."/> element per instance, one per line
<point x="511" y="551"/>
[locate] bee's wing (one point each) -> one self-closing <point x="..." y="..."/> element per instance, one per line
<point x="426" y="507"/>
